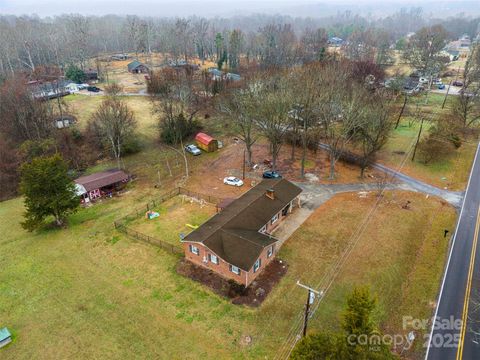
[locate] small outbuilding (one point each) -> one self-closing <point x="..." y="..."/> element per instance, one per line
<point x="5" y="337"/>
<point x="136" y="67"/>
<point x="101" y="184"/>
<point x="206" y="142"/>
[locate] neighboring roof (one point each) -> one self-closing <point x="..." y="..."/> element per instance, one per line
<point x="215" y="71"/>
<point x="134" y="64"/>
<point x="4" y="334"/>
<point x="232" y="76"/>
<point x="234" y="235"/>
<point x="204" y="138"/>
<point x="101" y="179"/>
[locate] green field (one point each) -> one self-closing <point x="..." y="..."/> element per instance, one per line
<point x="90" y="292"/>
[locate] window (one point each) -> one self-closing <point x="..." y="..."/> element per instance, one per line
<point x="263" y="229"/>
<point x="235" y="269"/>
<point x="213" y="258"/>
<point x="274" y="219"/>
<point x="257" y="264"/>
<point x="270" y="251"/>
<point x="194" y="250"/>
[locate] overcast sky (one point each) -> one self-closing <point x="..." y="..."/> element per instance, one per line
<point x="225" y="7"/>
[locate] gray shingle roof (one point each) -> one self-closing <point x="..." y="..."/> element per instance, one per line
<point x="234" y="235"/>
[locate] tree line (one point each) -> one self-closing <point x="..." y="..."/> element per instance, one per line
<point x="27" y="42"/>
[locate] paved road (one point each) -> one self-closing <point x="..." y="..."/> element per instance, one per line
<point x="460" y="290"/>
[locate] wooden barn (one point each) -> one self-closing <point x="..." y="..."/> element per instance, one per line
<point x="98" y="185"/>
<point x="206" y="142"/>
<point x="136" y="67"/>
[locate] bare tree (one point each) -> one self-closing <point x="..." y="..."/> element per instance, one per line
<point x="272" y="117"/>
<point x="374" y="129"/>
<point x="114" y="123"/>
<point x="423" y="49"/>
<point x="466" y="106"/>
<point x="240" y="107"/>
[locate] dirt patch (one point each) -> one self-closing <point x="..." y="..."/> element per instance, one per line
<point x="252" y="296"/>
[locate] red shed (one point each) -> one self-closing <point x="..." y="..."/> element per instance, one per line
<point x="206" y="142"/>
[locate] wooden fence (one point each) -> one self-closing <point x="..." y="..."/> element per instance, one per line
<point x="121" y="224"/>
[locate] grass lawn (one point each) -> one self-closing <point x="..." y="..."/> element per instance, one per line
<point x="175" y="214"/>
<point x="89" y="292"/>
<point x="451" y="172"/>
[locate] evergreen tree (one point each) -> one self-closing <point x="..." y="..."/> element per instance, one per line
<point x="76" y="74"/>
<point x="48" y="191"/>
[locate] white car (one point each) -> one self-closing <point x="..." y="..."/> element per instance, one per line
<point x="423" y="80"/>
<point x="192" y="149"/>
<point x="233" y="181"/>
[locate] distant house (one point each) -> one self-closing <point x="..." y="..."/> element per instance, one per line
<point x="206" y="142"/>
<point x="91" y="74"/>
<point x="216" y="74"/>
<point x="220" y="75"/>
<point x="64" y="121"/>
<point x="136" y="67"/>
<point x="233" y="77"/>
<point x="335" y="41"/>
<point x="119" y="57"/>
<point x="237" y="243"/>
<point x="49" y="90"/>
<point x="5" y="337"/>
<point x="105" y="183"/>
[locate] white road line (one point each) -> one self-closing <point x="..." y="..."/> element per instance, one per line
<point x="451" y="251"/>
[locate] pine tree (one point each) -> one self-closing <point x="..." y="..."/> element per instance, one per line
<point x="48" y="191"/>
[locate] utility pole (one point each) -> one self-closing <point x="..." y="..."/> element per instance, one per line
<point x="244" y="160"/>
<point x="310" y="299"/>
<point x="448" y="89"/>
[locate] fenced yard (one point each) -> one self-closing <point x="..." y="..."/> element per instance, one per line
<point x="179" y="211"/>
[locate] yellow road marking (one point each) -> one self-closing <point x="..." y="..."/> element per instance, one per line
<point x="468" y="289"/>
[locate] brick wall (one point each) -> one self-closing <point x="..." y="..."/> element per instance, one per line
<point x="223" y="267"/>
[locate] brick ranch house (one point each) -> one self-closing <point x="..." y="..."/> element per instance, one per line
<point x="237" y="243"/>
<point x="105" y="183"/>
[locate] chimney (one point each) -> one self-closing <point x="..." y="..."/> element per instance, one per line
<point x="270" y="193"/>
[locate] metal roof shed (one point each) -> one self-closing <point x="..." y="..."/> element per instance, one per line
<point x="5" y="337"/>
<point x="206" y="142"/>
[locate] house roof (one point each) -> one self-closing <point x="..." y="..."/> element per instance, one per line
<point x="101" y="179"/>
<point x="234" y="235"/>
<point x="134" y="64"/>
<point x="204" y="138"/>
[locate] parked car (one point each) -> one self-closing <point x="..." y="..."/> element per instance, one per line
<point x="192" y="149"/>
<point x="233" y="181"/>
<point x="423" y="80"/>
<point x="441" y="86"/>
<point x="82" y="86"/>
<point x="437" y="82"/>
<point x="271" y="175"/>
<point x="457" y="83"/>
<point x="93" y="89"/>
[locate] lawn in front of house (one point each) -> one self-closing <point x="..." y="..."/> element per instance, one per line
<point x="178" y="215"/>
<point x="90" y="292"/>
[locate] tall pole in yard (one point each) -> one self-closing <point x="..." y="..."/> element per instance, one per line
<point x="243" y="177"/>
<point x="448" y="89"/>
<point x="310" y="299"/>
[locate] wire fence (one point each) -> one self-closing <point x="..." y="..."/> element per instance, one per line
<point x="122" y="223"/>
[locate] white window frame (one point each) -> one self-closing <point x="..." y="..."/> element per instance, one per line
<point x="211" y="258"/>
<point x="270" y="251"/>
<point x="235" y="269"/>
<point x="194" y="250"/>
<point x="263" y="229"/>
<point x="257" y="265"/>
<point x="274" y="219"/>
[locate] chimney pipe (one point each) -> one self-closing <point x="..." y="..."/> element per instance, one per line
<point x="270" y="194"/>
